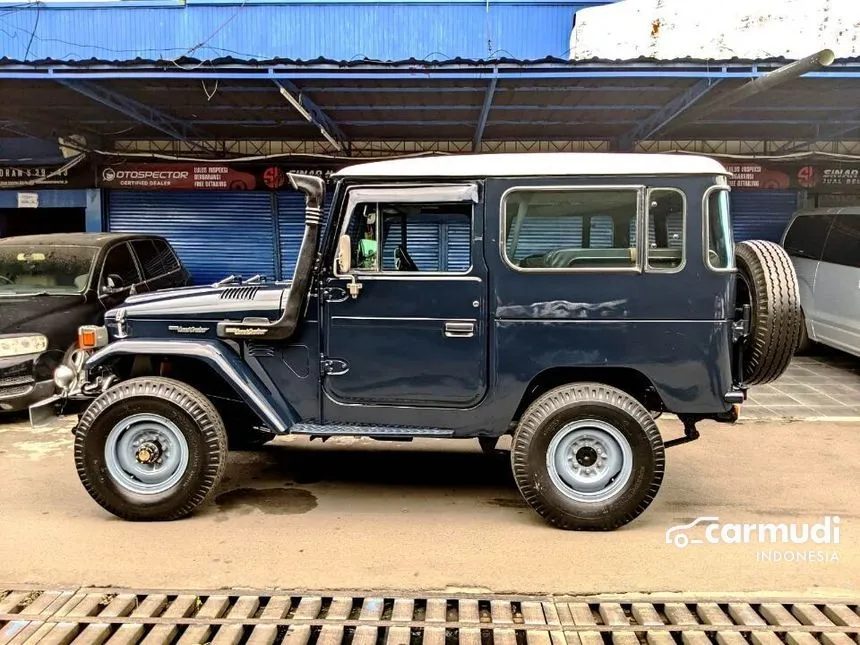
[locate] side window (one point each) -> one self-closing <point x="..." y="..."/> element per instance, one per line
<point x="392" y="237"/>
<point x="806" y="235"/>
<point x="120" y="262"/>
<point x="666" y="230"/>
<point x="720" y="247"/>
<point x="149" y="258"/>
<point x="843" y="243"/>
<point x="566" y="228"/>
<point x="169" y="261"/>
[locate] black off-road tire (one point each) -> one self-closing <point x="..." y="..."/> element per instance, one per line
<point x="189" y="410"/>
<point x="547" y="416"/>
<point x="768" y="283"/>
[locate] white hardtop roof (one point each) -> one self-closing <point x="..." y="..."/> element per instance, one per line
<point x="538" y="164"/>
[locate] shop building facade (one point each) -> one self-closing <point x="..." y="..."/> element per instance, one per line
<point x="183" y="118"/>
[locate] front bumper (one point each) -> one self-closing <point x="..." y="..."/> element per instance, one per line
<point x="17" y="397"/>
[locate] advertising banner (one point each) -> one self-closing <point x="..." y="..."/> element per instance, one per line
<point x="207" y="176"/>
<point x="817" y="178"/>
<point x="22" y="176"/>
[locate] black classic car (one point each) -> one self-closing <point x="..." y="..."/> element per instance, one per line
<point x="52" y="284"/>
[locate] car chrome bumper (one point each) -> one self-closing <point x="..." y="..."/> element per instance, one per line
<point x="20" y="398"/>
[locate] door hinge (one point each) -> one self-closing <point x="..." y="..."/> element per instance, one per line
<point x="333" y="366"/>
<point x="334" y="294"/>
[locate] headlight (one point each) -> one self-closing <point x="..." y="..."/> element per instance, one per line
<point x="22" y="345"/>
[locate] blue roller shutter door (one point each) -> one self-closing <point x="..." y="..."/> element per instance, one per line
<point x="214" y="233"/>
<point x="762" y="215"/>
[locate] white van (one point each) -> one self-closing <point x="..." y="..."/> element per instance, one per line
<point x="824" y="245"/>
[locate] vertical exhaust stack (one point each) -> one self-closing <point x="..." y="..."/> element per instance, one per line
<point x="314" y="190"/>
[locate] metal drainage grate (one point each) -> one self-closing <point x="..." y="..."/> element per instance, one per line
<point x="127" y="617"/>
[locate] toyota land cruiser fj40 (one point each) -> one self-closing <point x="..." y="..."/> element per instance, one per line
<point x="564" y="299"/>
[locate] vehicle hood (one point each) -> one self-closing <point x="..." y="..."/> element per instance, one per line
<point x="22" y="313"/>
<point x="204" y="303"/>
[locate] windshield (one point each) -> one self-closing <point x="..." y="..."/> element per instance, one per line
<point x="43" y="268"/>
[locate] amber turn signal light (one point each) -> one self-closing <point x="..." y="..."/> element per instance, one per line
<point x="92" y="337"/>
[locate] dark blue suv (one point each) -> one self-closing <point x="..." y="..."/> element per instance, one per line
<point x="564" y="299"/>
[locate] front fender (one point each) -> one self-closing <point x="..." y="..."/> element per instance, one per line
<point x="271" y="407"/>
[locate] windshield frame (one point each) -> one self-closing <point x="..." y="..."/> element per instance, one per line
<point x="95" y="250"/>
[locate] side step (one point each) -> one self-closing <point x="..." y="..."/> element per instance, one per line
<point x="381" y="432"/>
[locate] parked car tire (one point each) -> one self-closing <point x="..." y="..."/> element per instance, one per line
<point x="768" y="283"/>
<point x="805" y="344"/>
<point x="587" y="456"/>
<point x="150" y="449"/>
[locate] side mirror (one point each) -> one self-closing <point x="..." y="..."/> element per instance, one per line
<point x="344" y="254"/>
<point x="113" y="283"/>
<point x="344" y="264"/>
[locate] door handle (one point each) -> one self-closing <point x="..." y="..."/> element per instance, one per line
<point x="459" y="329"/>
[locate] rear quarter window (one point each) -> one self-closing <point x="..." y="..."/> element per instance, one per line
<point x="843" y="243"/>
<point x="807" y="234"/>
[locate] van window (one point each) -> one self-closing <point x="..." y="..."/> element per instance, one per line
<point x="564" y="229"/>
<point x="843" y="243"/>
<point x="665" y="250"/>
<point x="806" y="235"/>
<point x="721" y="248"/>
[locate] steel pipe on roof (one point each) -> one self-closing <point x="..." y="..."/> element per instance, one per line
<point x="790" y="72"/>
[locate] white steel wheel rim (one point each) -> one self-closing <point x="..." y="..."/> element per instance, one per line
<point x="589" y="461"/>
<point x="153" y="438"/>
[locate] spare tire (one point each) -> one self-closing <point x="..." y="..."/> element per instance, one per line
<point x="767" y="282"/>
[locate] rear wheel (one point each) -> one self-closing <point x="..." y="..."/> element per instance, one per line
<point x="588" y="456"/>
<point x="767" y="282"/>
<point x="150" y="449"/>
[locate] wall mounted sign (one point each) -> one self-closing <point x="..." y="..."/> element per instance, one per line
<point x="34" y="177"/>
<point x="206" y="176"/>
<point x="28" y="200"/>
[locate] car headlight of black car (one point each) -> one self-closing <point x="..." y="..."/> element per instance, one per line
<point x="22" y="345"/>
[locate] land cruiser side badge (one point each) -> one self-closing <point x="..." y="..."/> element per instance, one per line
<point x="246" y="331"/>
<point x="179" y="329"/>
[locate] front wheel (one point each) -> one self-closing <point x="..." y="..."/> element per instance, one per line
<point x="150" y="449"/>
<point x="587" y="456"/>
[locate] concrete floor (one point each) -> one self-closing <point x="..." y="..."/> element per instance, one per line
<point x="433" y="515"/>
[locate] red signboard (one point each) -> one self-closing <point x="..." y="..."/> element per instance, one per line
<point x="757" y="177"/>
<point x="176" y="177"/>
<point x="207" y="176"/>
<point x="817" y="178"/>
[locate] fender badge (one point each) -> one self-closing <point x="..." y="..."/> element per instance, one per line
<point x="246" y="331"/>
<point x="187" y="330"/>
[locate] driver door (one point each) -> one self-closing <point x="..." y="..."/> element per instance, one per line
<point x="415" y="334"/>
